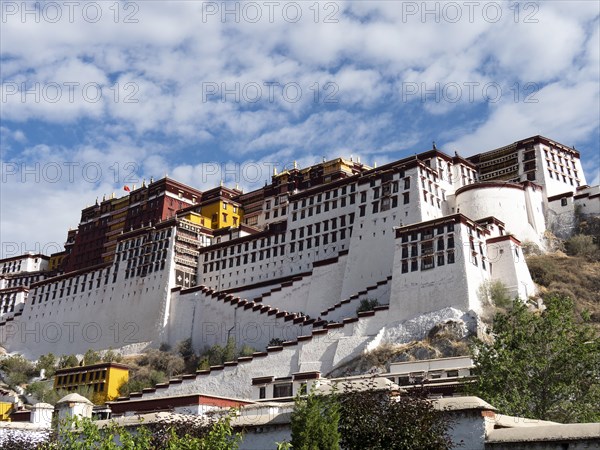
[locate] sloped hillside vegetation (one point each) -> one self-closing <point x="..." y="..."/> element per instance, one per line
<point x="575" y="274"/>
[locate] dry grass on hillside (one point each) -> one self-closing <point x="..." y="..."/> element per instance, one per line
<point x="576" y="277"/>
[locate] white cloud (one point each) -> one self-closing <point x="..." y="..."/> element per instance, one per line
<point x="370" y="51"/>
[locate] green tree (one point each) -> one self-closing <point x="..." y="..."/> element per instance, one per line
<point x="111" y="356"/>
<point x="314" y="423"/>
<point x="165" y="362"/>
<point x="217" y="355"/>
<point x="582" y="245"/>
<point x="246" y="350"/>
<point x="17" y="370"/>
<point x="367" y="304"/>
<point x="542" y="365"/>
<point x="66" y="362"/>
<point x="375" y="420"/>
<point x="47" y="363"/>
<point x="229" y="352"/>
<point x="185" y="348"/>
<point x="91" y="357"/>
<point x="275" y="342"/>
<point x="496" y="293"/>
<point x="145" y="377"/>
<point x="189" y="434"/>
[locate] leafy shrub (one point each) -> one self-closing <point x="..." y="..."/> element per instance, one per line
<point x="495" y="293"/>
<point x="275" y="342"/>
<point x="582" y="245"/>
<point x="217" y="354"/>
<point x="367" y="304"/>
<point x="47" y="363"/>
<point x="144" y="377"/>
<point x="67" y="361"/>
<point x="17" y="370"/>
<point x="376" y="420"/>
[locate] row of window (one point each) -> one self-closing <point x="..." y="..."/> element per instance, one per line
<point x="21" y="281"/>
<point x="428" y="233"/>
<point x="246" y="258"/>
<point x="142" y="271"/>
<point x="323" y="239"/>
<point x="324" y="207"/>
<point x="132" y="243"/>
<point x="428" y="262"/>
<point x="279" y="390"/>
<point x="562" y="158"/>
<point x="332" y="194"/>
<point x="71" y="287"/>
<point x="427" y="247"/>
<point x="558" y="176"/>
<point x="84" y="377"/>
<point x="8" y="299"/>
<point x="246" y="246"/>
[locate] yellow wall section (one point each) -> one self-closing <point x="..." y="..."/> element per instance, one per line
<point x="114" y="379"/>
<point x="55" y="262"/>
<point x="197" y="219"/>
<point x="221" y="214"/>
<point x="5" y="409"/>
<point x="90" y="376"/>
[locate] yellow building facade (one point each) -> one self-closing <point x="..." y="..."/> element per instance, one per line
<point x="101" y="380"/>
<point x="5" y="410"/>
<point x="221" y="214"/>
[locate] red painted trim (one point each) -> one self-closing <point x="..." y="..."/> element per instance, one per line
<point x="507" y="237"/>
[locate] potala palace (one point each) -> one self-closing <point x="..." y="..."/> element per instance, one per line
<point x="293" y="260"/>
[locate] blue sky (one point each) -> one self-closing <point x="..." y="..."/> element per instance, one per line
<point x="118" y="92"/>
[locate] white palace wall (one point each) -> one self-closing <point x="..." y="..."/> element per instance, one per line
<point x="209" y="319"/>
<point x="519" y="207"/>
<point x="509" y="266"/>
<point x="417" y="290"/>
<point x="319" y="350"/>
<point x="99" y="309"/>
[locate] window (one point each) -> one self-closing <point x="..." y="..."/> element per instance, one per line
<point x="362" y="211"/>
<point x="262" y="392"/>
<point x="406" y="198"/>
<point x="427" y="263"/>
<point x="563" y="202"/>
<point x="385" y="204"/>
<point x="450" y="241"/>
<point x="450" y="257"/>
<point x="282" y="390"/>
<point x="407" y="183"/>
<point x="414" y="265"/>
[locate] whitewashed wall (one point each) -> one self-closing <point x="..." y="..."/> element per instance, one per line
<point x="522" y="215"/>
<point x="209" y="320"/>
<point x="509" y="267"/>
<point x="114" y="314"/>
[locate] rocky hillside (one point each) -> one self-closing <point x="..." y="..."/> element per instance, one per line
<point x="575" y="276"/>
<point x="444" y="340"/>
